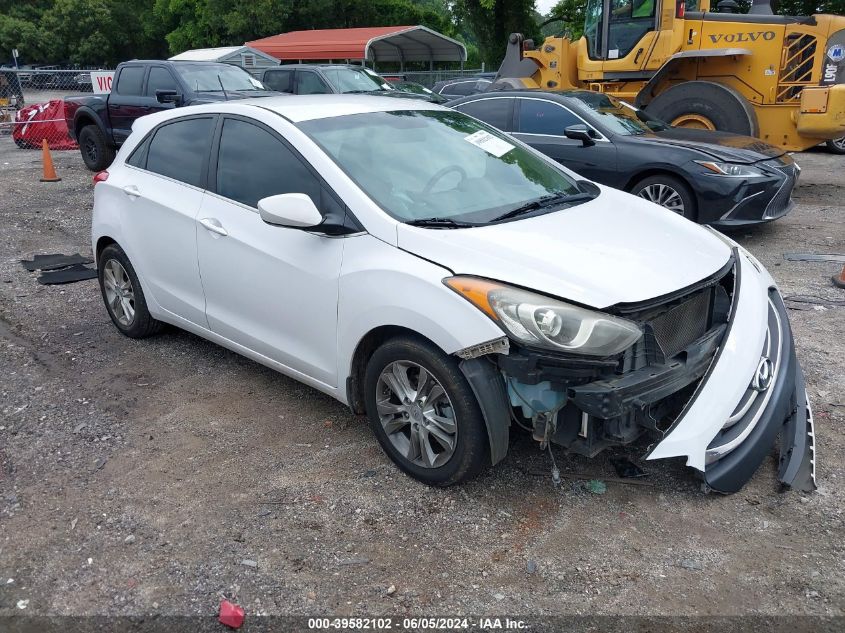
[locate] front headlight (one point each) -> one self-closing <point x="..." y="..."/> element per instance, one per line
<point x="731" y="170"/>
<point x="541" y="321"/>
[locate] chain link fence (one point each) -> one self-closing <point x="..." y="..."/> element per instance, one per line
<point x="428" y="78"/>
<point x="32" y="100"/>
<point x="32" y="106"/>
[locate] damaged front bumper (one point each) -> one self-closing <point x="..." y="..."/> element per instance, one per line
<point x="717" y="393"/>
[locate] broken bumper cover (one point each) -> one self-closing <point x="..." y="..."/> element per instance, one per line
<point x="739" y="449"/>
<point x="753" y="391"/>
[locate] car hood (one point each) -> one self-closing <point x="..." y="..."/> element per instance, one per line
<point x="724" y="146"/>
<point x="614" y="249"/>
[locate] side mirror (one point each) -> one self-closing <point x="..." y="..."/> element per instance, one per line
<point x="293" y="210"/>
<point x="580" y="132"/>
<point x="168" y="96"/>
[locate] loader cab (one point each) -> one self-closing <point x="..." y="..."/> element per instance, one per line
<point x="614" y="27"/>
<point x="626" y="36"/>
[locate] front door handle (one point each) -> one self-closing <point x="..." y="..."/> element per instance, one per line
<point x="132" y="191"/>
<point x="213" y="225"/>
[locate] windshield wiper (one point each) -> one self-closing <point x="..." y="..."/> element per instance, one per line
<point x="440" y="223"/>
<point x="543" y="202"/>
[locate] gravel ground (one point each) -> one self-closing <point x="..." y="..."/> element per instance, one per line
<point x="157" y="476"/>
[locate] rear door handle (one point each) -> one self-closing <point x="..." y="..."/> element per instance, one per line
<point x="132" y="191"/>
<point x="213" y="225"/>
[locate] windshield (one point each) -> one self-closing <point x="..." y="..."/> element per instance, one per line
<point x="209" y="77"/>
<point x="618" y="117"/>
<point x="437" y="164"/>
<point x="355" y="80"/>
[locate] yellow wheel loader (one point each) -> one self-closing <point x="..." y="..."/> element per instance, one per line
<point x="776" y="77"/>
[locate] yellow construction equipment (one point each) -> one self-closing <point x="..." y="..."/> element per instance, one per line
<point x="776" y="77"/>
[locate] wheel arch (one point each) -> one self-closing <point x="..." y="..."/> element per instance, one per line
<point x="665" y="171"/>
<point x="102" y="243"/>
<point x="656" y="171"/>
<point x="368" y="344"/>
<point x="84" y="117"/>
<point x="647" y="92"/>
<point x="484" y="380"/>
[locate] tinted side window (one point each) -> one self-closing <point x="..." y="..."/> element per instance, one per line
<point x="160" y="79"/>
<point x="138" y="158"/>
<point x="460" y="88"/>
<point x="279" y="80"/>
<point x="254" y="164"/>
<point x="496" y="112"/>
<point x="309" y="83"/>
<point x="130" y="80"/>
<point x="544" y="117"/>
<point x="178" y="150"/>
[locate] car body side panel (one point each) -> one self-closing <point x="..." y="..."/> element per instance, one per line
<point x="734" y="367"/>
<point x="383" y="286"/>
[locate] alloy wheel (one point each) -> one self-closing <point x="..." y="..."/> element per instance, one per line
<point x="120" y="295"/>
<point x="839" y="143"/>
<point x="664" y="195"/>
<point x="91" y="150"/>
<point x="416" y="414"/>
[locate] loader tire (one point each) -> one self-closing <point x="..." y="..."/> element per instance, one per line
<point x="705" y="105"/>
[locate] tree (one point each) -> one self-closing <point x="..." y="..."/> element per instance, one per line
<point x="492" y="21"/>
<point x="570" y="15"/>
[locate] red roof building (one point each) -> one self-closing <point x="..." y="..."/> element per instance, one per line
<point x="372" y="44"/>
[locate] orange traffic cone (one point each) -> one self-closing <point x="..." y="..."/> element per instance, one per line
<point x="839" y="280"/>
<point x="47" y="162"/>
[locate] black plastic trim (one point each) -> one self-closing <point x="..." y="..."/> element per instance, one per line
<point x="488" y="386"/>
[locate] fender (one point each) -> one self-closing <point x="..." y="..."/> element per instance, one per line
<point x="646" y="94"/>
<point x="86" y="111"/>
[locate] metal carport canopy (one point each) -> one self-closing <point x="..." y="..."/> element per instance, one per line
<point x="375" y="44"/>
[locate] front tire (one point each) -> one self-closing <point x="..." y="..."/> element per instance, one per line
<point x="97" y="154"/>
<point x="669" y="192"/>
<point x="836" y="145"/>
<point x="123" y="295"/>
<point x="424" y="413"/>
<point x="705" y="105"/>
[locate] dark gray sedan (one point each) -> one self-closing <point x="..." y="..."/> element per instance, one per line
<point x="710" y="177"/>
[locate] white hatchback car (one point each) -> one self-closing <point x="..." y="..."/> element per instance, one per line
<point x="448" y="281"/>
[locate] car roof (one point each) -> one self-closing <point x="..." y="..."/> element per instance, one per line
<point x="298" y="108"/>
<point x="355" y="66"/>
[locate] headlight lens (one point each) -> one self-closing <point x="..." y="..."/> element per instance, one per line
<point x="731" y="170"/>
<point x="540" y="321"/>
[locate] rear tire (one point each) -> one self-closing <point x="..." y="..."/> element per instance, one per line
<point x="836" y="145"/>
<point x="697" y="103"/>
<point x="122" y="294"/>
<point x="97" y="153"/>
<point x="426" y="414"/>
<point x="669" y="192"/>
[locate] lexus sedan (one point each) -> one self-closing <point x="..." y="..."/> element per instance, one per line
<point x="710" y="177"/>
<point x="449" y="281"/>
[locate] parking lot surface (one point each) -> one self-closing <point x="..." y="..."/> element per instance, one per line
<point x="158" y="476"/>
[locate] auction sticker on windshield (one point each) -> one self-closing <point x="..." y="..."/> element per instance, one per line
<point x="489" y="143"/>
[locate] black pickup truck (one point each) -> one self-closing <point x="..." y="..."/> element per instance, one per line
<point x="101" y="123"/>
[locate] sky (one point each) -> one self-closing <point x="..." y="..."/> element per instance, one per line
<point x="543" y="6"/>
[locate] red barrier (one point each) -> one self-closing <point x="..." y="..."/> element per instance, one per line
<point x="42" y="121"/>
